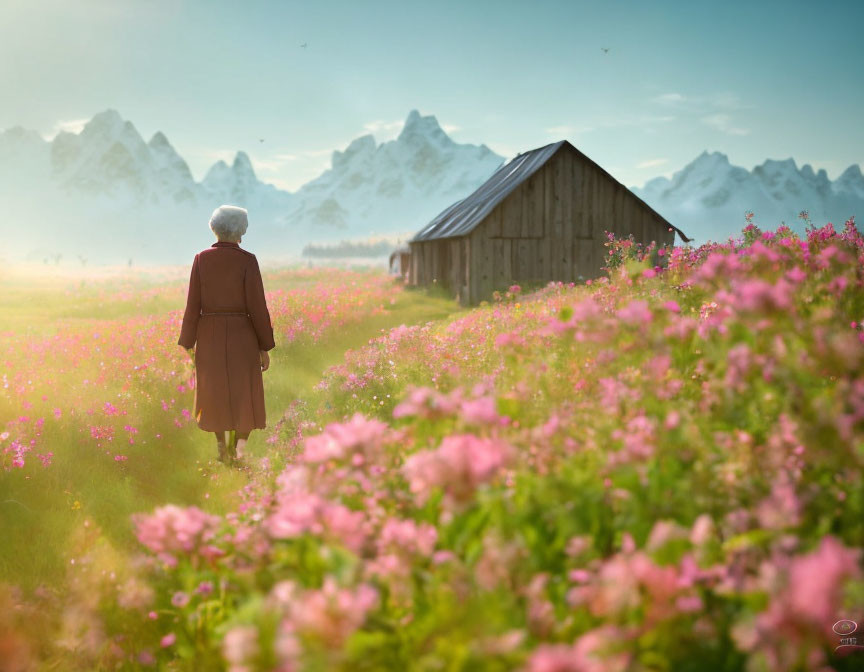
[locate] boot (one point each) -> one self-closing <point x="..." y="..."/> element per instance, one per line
<point x="232" y="445"/>
<point x="223" y="449"/>
<point x="239" y="448"/>
<point x="238" y="445"/>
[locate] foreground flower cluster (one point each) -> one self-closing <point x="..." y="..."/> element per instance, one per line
<point x="659" y="470"/>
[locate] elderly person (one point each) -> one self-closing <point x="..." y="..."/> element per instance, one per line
<point x="226" y="316"/>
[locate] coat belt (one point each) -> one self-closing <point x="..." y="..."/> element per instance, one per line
<point x="226" y="313"/>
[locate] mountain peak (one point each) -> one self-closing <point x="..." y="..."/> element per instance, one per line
<point x="777" y="165"/>
<point x="365" y="144"/>
<point x="851" y="180"/>
<point x="705" y="166"/>
<point x="853" y="172"/>
<point x="417" y="126"/>
<point x="712" y="158"/>
<point x="242" y="164"/>
<point x="109" y="119"/>
<point x="159" y="141"/>
<point x="108" y="127"/>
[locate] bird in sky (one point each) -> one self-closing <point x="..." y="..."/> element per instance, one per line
<point x="605" y="50"/>
<point x="303" y="46"/>
<point x="260" y="139"/>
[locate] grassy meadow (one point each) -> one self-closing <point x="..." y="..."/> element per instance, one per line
<point x="660" y="469"/>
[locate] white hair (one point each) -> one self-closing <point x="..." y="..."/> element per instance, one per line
<point x="229" y="222"/>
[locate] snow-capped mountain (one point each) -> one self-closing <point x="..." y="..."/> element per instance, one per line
<point x="707" y="199"/>
<point x="110" y="158"/>
<point x="394" y="187"/>
<point x="107" y="195"/>
<point x="239" y="185"/>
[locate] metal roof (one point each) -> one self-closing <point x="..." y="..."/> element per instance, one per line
<point x="463" y="216"/>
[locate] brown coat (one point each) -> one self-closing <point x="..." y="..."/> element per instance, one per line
<point x="229" y="388"/>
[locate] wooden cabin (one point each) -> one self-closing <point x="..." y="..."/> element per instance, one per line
<point x="400" y="261"/>
<point x="541" y="217"/>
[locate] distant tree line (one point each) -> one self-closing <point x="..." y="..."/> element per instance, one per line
<point x="347" y="248"/>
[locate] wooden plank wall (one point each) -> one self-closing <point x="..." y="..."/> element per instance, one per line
<point x="553" y="228"/>
<point x="412" y="264"/>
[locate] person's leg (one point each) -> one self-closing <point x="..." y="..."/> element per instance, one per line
<point x="221" y="445"/>
<point x="240" y="443"/>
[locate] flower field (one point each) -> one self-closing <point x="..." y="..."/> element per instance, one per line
<point x="125" y="368"/>
<point x="658" y="470"/>
<point x="95" y="402"/>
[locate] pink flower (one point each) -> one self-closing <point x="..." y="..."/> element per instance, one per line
<point x="816" y="579"/>
<point x="135" y="594"/>
<point x="554" y="657"/>
<point x="296" y="514"/>
<point x="796" y="275"/>
<point x="171" y="530"/>
<point x="702" y="530"/>
<point x="338" y="439"/>
<point x="168" y="640"/>
<point x="636" y="312"/>
<point x="689" y="603"/>
<point x="240" y="646"/>
<point x="806" y="600"/>
<point x="406" y="536"/>
<point x="739" y="361"/>
<point x="427" y="402"/>
<point x="180" y="599"/>
<point x="344" y="525"/>
<point x="597" y="650"/>
<point x="579" y="575"/>
<point x="673" y="418"/>
<point x="781" y="509"/>
<point x="332" y="613"/>
<point x="663" y="532"/>
<point x="458" y="465"/>
<point x="757" y="295"/>
<point x="576" y="546"/>
<point x="481" y="411"/>
<point x="98" y="432"/>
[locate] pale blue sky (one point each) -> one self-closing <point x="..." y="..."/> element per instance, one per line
<point x="755" y="79"/>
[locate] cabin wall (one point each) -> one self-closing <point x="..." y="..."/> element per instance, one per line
<point x="529" y="237"/>
<point x="443" y="262"/>
<point x="553" y="227"/>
